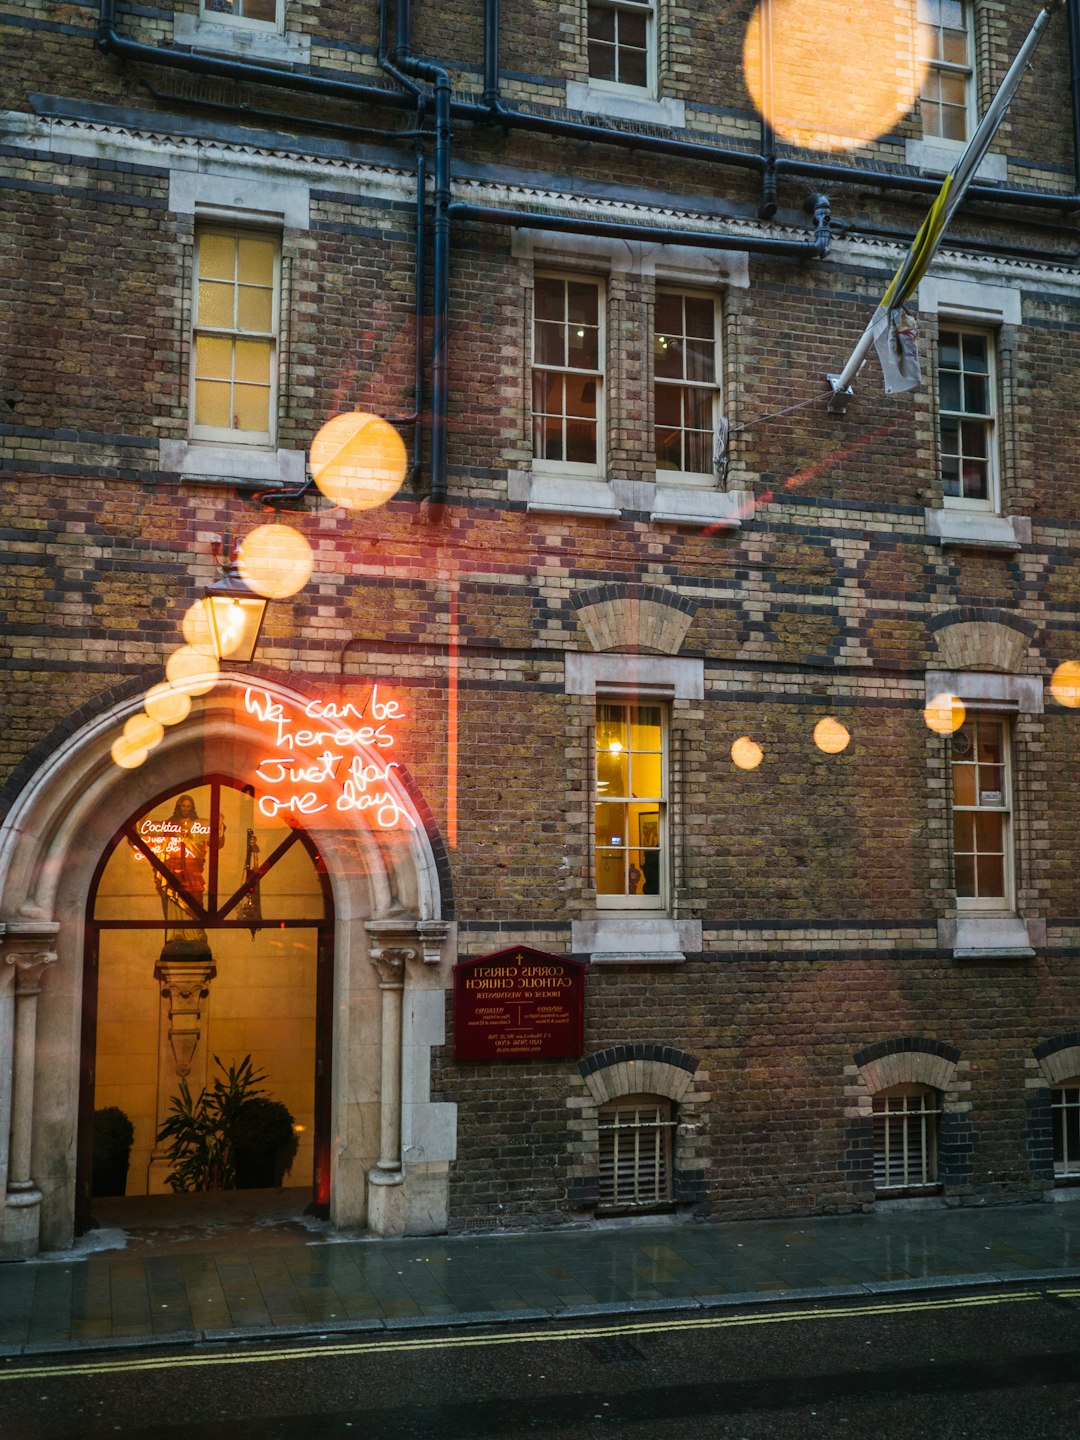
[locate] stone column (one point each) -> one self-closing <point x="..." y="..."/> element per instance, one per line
<point x="391" y="945"/>
<point x="185" y="986"/>
<point x="28" y="948"/>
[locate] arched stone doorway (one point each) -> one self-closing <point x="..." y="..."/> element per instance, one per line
<point x="209" y="955"/>
<point x="385" y="877"/>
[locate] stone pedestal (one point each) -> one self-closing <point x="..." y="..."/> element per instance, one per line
<point x="184" y="973"/>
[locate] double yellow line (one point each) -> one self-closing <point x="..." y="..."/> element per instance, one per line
<point x="391" y="1345"/>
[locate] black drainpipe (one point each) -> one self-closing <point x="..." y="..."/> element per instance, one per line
<point x="405" y="62"/>
<point x="490" y="97"/>
<point x="815" y="249"/>
<point x="1074" y="58"/>
<point x="768" y="132"/>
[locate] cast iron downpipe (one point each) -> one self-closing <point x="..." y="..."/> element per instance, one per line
<point x="1073" y="15"/>
<point x="409" y="65"/>
<point x="768" y="131"/>
<point x="815" y="249"/>
<point x="490" y="96"/>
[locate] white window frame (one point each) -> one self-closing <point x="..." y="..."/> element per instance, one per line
<point x="572" y="468"/>
<point x="988" y="905"/>
<point x="892" y="1128"/>
<point x="1065" y="1100"/>
<point x="945" y="67"/>
<point x="699" y="478"/>
<point x="623" y="1133"/>
<point x="659" y="903"/>
<point x="216" y="433"/>
<point x="991" y="505"/>
<point x="227" y="17"/>
<point x="647" y="8"/>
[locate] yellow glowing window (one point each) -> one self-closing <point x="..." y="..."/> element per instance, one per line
<point x="945" y="52"/>
<point x="631" y="806"/>
<point x="982" y="845"/>
<point x="234" y="359"/>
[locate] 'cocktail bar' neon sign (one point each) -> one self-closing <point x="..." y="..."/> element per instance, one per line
<point x="328" y="756"/>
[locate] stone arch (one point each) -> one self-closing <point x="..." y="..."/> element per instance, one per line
<point x="639" y="1068"/>
<point x="988" y="640"/>
<point x="1059" y="1059"/>
<point x="634" y="618"/>
<point x="387" y="887"/>
<point x="908" y="1061"/>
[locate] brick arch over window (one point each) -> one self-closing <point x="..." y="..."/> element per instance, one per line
<point x="908" y="1060"/>
<point x="1059" y="1058"/>
<point x="639" y="1068"/>
<point x="981" y="640"/>
<point x="635" y="618"/>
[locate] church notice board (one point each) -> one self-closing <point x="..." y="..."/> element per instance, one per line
<point x="519" y="1004"/>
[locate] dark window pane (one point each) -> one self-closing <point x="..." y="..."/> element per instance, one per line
<point x="550" y="298"/>
<point x="950" y="435"/>
<point x="633" y="67"/>
<point x="965" y="876"/>
<point x="632" y="29"/>
<point x="581" y="397"/>
<point x="601" y="23"/>
<point x="548" y="342"/>
<point x="698" y="457"/>
<point x="973" y="439"/>
<point x="950" y="476"/>
<point x="700" y="361"/>
<point x="975" y="354"/>
<point x="991" y="871"/>
<point x="963" y="831"/>
<point x="976" y="485"/>
<point x="699" y="317"/>
<point x="699" y="407"/>
<point x="583" y="348"/>
<point x="949" y="390"/>
<point x="668" y="405"/>
<point x="581" y="442"/>
<point x="582" y="302"/>
<point x="975" y="390"/>
<point x="669" y="313"/>
<point x="949" y="350"/>
<point x="668" y="357"/>
<point x="990" y="832"/>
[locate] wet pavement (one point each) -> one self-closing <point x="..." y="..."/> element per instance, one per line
<point x="262" y="1270"/>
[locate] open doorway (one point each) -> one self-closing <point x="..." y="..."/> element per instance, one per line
<point x="209" y="973"/>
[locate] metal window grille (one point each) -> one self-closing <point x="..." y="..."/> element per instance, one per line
<point x="635" y="1153"/>
<point x="945" y="51"/>
<point x="620" y="38"/>
<point x="905" y="1139"/>
<point x="1065" y="1110"/>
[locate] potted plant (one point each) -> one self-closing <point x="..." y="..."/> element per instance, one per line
<point x="114" y="1135"/>
<point x="264" y="1144"/>
<point x="200" y="1128"/>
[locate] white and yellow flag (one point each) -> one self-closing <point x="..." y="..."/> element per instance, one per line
<point x="892" y="328"/>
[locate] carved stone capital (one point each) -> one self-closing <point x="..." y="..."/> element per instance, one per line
<point x="391" y="944"/>
<point x="29" y="946"/>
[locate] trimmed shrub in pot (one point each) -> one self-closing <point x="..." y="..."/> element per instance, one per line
<point x="114" y="1135"/>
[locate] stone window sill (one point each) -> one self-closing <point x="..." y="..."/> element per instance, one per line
<point x="624" y="105"/>
<point x="698" y="506"/>
<point x="252" y="465"/>
<point x="938" y="158"/>
<point x="627" y="939"/>
<point x="977" y="530"/>
<point x="240" y="41"/>
<point x="991" y="937"/>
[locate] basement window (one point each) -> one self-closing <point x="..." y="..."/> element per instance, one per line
<point x="905" y="1141"/>
<point x="1065" y="1110"/>
<point x="635" y="1154"/>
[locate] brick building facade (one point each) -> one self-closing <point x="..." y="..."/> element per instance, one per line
<point x="637" y="560"/>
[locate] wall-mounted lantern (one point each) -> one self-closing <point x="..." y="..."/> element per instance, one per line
<point x="235" y="614"/>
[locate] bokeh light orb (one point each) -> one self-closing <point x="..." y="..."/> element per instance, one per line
<point x="746" y="754"/>
<point x="166" y="704"/>
<point x="842" y="73"/>
<point x="192" y="670"/>
<point x="945" y="714"/>
<point x="358" y="461"/>
<point x="195" y="627"/>
<point x="1065" y="684"/>
<point x="143" y="732"/>
<point x="127" y="755"/>
<point x="275" y="561"/>
<point x="830" y="736"/>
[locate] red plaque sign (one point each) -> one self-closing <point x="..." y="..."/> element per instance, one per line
<point x="519" y="1004"/>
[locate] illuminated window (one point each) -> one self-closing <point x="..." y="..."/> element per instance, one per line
<point x="945" y="50"/>
<point x="262" y="13"/>
<point x="966" y="389"/>
<point x="905" y="1139"/>
<point x="631" y="806"/>
<point x="1065" y="1110"/>
<point x="635" y="1153"/>
<point x="568" y="373"/>
<point x="685" y="364"/>
<point x="621" y="43"/>
<point x="982" y="842"/>
<point x="234" y="350"/>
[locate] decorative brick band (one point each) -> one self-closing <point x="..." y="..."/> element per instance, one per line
<point x="638" y="1050"/>
<point x="643" y="1068"/>
<point x="909" y="1060"/>
<point x="906" y="1043"/>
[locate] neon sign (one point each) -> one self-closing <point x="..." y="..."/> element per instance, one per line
<point x="316" y="766"/>
<point x="169" y="837"/>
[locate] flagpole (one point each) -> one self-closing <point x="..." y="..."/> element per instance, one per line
<point x="917" y="261"/>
